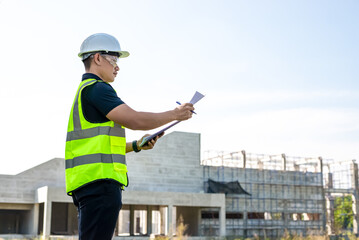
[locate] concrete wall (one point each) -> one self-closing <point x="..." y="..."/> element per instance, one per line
<point x="21" y="188"/>
<point x="172" y="166"/>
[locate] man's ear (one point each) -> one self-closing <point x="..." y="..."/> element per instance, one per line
<point x="97" y="59"/>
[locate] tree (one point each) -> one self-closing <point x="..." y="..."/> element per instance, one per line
<point x="343" y="213"/>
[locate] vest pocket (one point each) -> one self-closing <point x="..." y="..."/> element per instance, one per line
<point x="118" y="145"/>
<point x="119" y="167"/>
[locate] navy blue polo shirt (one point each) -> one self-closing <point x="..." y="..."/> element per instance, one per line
<point x="98" y="100"/>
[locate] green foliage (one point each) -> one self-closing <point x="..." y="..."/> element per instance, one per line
<point x="343" y="213"/>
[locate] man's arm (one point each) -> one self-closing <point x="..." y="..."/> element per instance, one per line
<point x="129" y="118"/>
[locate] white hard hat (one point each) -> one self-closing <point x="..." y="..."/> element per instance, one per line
<point x="101" y="42"/>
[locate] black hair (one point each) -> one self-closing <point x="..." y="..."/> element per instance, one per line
<point x="87" y="62"/>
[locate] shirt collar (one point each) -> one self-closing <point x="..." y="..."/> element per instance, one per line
<point x="90" y="75"/>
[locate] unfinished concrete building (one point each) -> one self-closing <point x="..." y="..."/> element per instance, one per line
<point x="285" y="194"/>
<point x="165" y="183"/>
<point x="235" y="194"/>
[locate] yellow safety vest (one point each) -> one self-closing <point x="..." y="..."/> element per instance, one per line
<point x="94" y="151"/>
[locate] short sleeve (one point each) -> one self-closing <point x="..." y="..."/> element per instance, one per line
<point x="100" y="98"/>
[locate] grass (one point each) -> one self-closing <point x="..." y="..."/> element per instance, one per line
<point x="182" y="228"/>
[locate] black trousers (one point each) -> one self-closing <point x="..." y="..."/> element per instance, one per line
<point x="98" y="206"/>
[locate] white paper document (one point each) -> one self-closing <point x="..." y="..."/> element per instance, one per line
<point x="196" y="97"/>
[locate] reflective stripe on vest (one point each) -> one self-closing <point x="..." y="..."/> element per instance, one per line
<point x="92" y="132"/>
<point x="93" y="150"/>
<point x="94" y="158"/>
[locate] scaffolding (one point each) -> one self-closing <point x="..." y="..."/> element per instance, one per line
<point x="341" y="187"/>
<point x="293" y="195"/>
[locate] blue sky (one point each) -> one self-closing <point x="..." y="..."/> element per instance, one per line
<point x="279" y="76"/>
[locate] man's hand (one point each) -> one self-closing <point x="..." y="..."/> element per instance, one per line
<point x="184" y="111"/>
<point x="150" y="144"/>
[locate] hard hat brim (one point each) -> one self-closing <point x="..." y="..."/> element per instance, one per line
<point x="123" y="54"/>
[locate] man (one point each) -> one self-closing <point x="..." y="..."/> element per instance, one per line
<point x="96" y="146"/>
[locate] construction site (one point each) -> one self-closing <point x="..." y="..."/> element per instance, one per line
<point x="219" y="194"/>
<point x="284" y="194"/>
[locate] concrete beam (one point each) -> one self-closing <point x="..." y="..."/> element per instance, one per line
<point x="339" y="190"/>
<point x="173" y="198"/>
<point x="16" y="206"/>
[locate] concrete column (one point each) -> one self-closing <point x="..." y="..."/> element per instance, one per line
<point x="149" y="220"/>
<point x="199" y="222"/>
<point x="245" y="223"/>
<point x="170" y="229"/>
<point x="17" y="223"/>
<point x="132" y="220"/>
<point x="355" y="198"/>
<point x="285" y="215"/>
<point x="324" y="209"/>
<point x="35" y="219"/>
<point x="330" y="204"/>
<point x="47" y="219"/>
<point x="163" y="220"/>
<point x="330" y="180"/>
<point x="222" y="221"/>
<point x="120" y="221"/>
<point x="330" y="213"/>
<point x="284" y="158"/>
<point x="244" y="158"/>
<point x="72" y="219"/>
